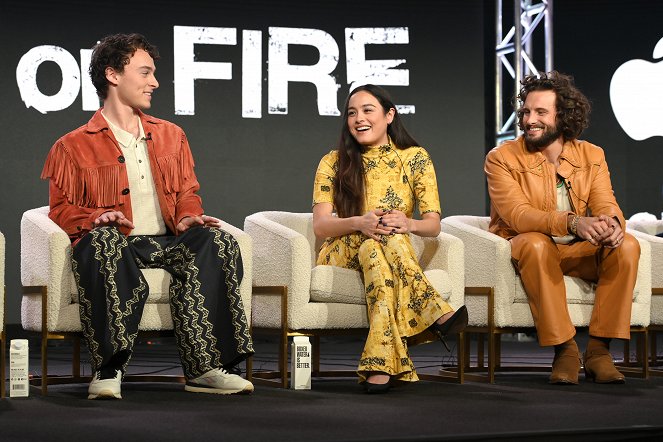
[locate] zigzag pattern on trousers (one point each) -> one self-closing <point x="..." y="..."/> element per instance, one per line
<point x="195" y="337"/>
<point x="228" y="253"/>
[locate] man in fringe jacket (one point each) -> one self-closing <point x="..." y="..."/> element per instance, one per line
<point x="124" y="189"/>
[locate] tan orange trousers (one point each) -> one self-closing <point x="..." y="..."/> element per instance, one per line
<point x="542" y="265"/>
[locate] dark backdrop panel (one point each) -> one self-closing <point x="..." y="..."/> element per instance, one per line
<point x="592" y="39"/>
<point x="248" y="165"/>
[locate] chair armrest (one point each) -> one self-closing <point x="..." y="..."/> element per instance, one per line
<point x="46" y="259"/>
<point x="649" y="227"/>
<point x="487" y="257"/>
<point x="281" y="256"/>
<point x="444" y="252"/>
<point x="643" y="282"/>
<point x="656" y="246"/>
<point x="246" y="249"/>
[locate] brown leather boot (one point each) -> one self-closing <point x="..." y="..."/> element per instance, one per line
<point x="599" y="366"/>
<point x="566" y="364"/>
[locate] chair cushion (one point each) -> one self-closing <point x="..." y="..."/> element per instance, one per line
<point x="649" y="227"/>
<point x="578" y="291"/>
<point x="158" y="281"/>
<point x="345" y="286"/>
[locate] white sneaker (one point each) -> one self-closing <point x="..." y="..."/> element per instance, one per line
<point x="105" y="388"/>
<point x="219" y="381"/>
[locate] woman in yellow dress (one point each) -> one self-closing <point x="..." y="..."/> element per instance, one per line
<point x="373" y="183"/>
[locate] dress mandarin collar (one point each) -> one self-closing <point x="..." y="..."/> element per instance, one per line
<point x="378" y="150"/>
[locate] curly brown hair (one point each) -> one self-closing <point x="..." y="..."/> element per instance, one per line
<point x="573" y="107"/>
<point x="115" y="51"/>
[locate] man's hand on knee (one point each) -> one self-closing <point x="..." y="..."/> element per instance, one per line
<point x="203" y="220"/>
<point x="113" y="218"/>
<point x="210" y="221"/>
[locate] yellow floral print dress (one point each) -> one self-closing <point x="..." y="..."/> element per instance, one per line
<point x="400" y="300"/>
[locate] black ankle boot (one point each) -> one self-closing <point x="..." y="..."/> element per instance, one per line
<point x="455" y="324"/>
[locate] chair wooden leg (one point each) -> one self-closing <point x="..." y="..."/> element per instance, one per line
<point x="316" y="354"/>
<point x="462" y="356"/>
<point x="643" y="354"/>
<point x="494" y="347"/>
<point x="249" y="361"/>
<point x="652" y="348"/>
<point x="627" y="351"/>
<point x="283" y="356"/>
<point x="638" y="365"/>
<point x="480" y="351"/>
<point x="3" y="344"/>
<point x="281" y="371"/>
<point x="480" y="331"/>
<point x="76" y="359"/>
<point x="468" y="347"/>
<point x="249" y="369"/>
<point x="44" y="362"/>
<point x="494" y="354"/>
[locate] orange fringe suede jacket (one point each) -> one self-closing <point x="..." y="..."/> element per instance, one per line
<point x="88" y="175"/>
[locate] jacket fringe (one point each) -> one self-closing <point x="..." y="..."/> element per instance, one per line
<point x="176" y="169"/>
<point x="77" y="184"/>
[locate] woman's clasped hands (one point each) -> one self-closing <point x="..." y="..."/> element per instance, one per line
<point x="383" y="222"/>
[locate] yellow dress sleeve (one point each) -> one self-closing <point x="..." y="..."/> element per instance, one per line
<point x="323" y="189"/>
<point x="425" y="182"/>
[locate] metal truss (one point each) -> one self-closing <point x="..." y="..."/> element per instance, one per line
<point x="517" y="46"/>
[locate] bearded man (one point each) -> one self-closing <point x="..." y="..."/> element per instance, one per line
<point x="551" y="197"/>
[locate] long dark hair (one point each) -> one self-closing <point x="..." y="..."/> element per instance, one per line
<point x="573" y="107"/>
<point x="349" y="182"/>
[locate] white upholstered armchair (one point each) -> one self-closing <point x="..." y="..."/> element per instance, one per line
<point x="318" y="299"/>
<point x="647" y="231"/>
<point x="504" y="308"/>
<point x="50" y="297"/>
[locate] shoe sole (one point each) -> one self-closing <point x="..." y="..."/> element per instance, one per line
<point x="605" y="381"/>
<point x="195" y="389"/>
<point x="591" y="378"/>
<point x="105" y="394"/>
<point x="376" y="388"/>
<point x="562" y="382"/>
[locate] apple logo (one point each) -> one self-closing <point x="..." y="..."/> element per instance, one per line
<point x="636" y="94"/>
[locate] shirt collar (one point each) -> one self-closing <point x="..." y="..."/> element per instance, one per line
<point x="123" y="137"/>
<point x="379" y="150"/>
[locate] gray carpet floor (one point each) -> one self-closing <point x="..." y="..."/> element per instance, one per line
<point x="519" y="406"/>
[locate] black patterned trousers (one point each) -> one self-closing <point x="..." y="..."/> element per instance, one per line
<point x="210" y="326"/>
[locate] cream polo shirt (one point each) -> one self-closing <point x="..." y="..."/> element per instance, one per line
<point x="563" y="205"/>
<point x="147" y="217"/>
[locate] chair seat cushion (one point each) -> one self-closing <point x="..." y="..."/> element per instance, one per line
<point x="158" y="281"/>
<point x="578" y="291"/>
<point x="345" y="286"/>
